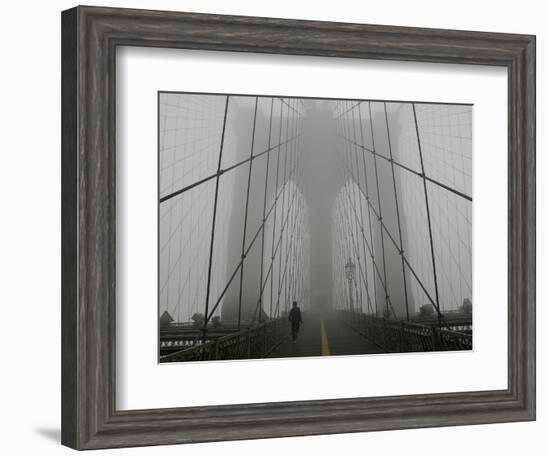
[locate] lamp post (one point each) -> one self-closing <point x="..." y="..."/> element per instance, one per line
<point x="350" y="275"/>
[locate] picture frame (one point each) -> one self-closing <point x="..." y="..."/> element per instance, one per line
<point x="90" y="36"/>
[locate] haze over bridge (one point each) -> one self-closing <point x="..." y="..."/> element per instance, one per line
<point x="358" y="210"/>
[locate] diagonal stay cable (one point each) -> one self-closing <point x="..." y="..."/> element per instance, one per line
<point x="222" y="171"/>
<point x="410" y="170"/>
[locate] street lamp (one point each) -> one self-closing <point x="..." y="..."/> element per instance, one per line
<point x="350" y="275"/>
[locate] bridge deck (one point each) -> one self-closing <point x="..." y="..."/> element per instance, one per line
<point x="322" y="335"/>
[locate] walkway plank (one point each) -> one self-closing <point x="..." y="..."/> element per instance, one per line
<point x="325" y="335"/>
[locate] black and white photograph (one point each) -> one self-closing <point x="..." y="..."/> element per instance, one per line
<point x="275" y="228"/>
<point x="304" y="227"/>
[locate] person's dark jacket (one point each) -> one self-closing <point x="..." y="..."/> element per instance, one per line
<point x="295" y="315"/>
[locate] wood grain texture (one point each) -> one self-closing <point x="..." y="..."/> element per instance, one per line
<point x="69" y="186"/>
<point x="89" y="39"/>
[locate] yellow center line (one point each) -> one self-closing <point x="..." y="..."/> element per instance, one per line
<point x="325" y="351"/>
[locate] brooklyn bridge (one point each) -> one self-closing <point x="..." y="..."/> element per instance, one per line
<point x="357" y="210"/>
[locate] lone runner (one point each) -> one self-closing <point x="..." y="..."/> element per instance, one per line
<point x="295" y="318"/>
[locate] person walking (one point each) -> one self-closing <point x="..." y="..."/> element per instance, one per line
<point x="295" y="318"/>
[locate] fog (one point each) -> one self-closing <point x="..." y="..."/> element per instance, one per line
<point x="302" y="187"/>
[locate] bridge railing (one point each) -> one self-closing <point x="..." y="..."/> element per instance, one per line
<point x="255" y="342"/>
<point x="404" y="336"/>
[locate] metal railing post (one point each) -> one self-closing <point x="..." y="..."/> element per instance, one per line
<point x="435" y="344"/>
<point x="265" y="339"/>
<point x="401" y="336"/>
<point x="384" y="335"/>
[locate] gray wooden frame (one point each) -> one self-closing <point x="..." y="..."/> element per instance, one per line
<point x="90" y="36"/>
